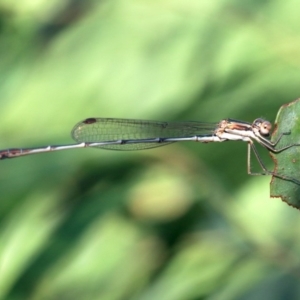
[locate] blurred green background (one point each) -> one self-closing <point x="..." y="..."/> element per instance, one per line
<point x="173" y="223"/>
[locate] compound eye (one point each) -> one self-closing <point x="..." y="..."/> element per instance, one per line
<point x="265" y="128"/>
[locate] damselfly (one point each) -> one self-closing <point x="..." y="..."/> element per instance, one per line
<point x="127" y="134"/>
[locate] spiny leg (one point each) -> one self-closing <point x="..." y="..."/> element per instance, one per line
<point x="280" y="137"/>
<point x="271" y="145"/>
<point x="251" y="146"/>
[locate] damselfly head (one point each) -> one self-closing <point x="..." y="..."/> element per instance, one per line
<point x="264" y="127"/>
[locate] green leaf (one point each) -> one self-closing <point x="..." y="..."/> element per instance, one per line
<point x="287" y="162"/>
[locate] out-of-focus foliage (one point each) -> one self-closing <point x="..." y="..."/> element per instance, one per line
<point x="178" y="222"/>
